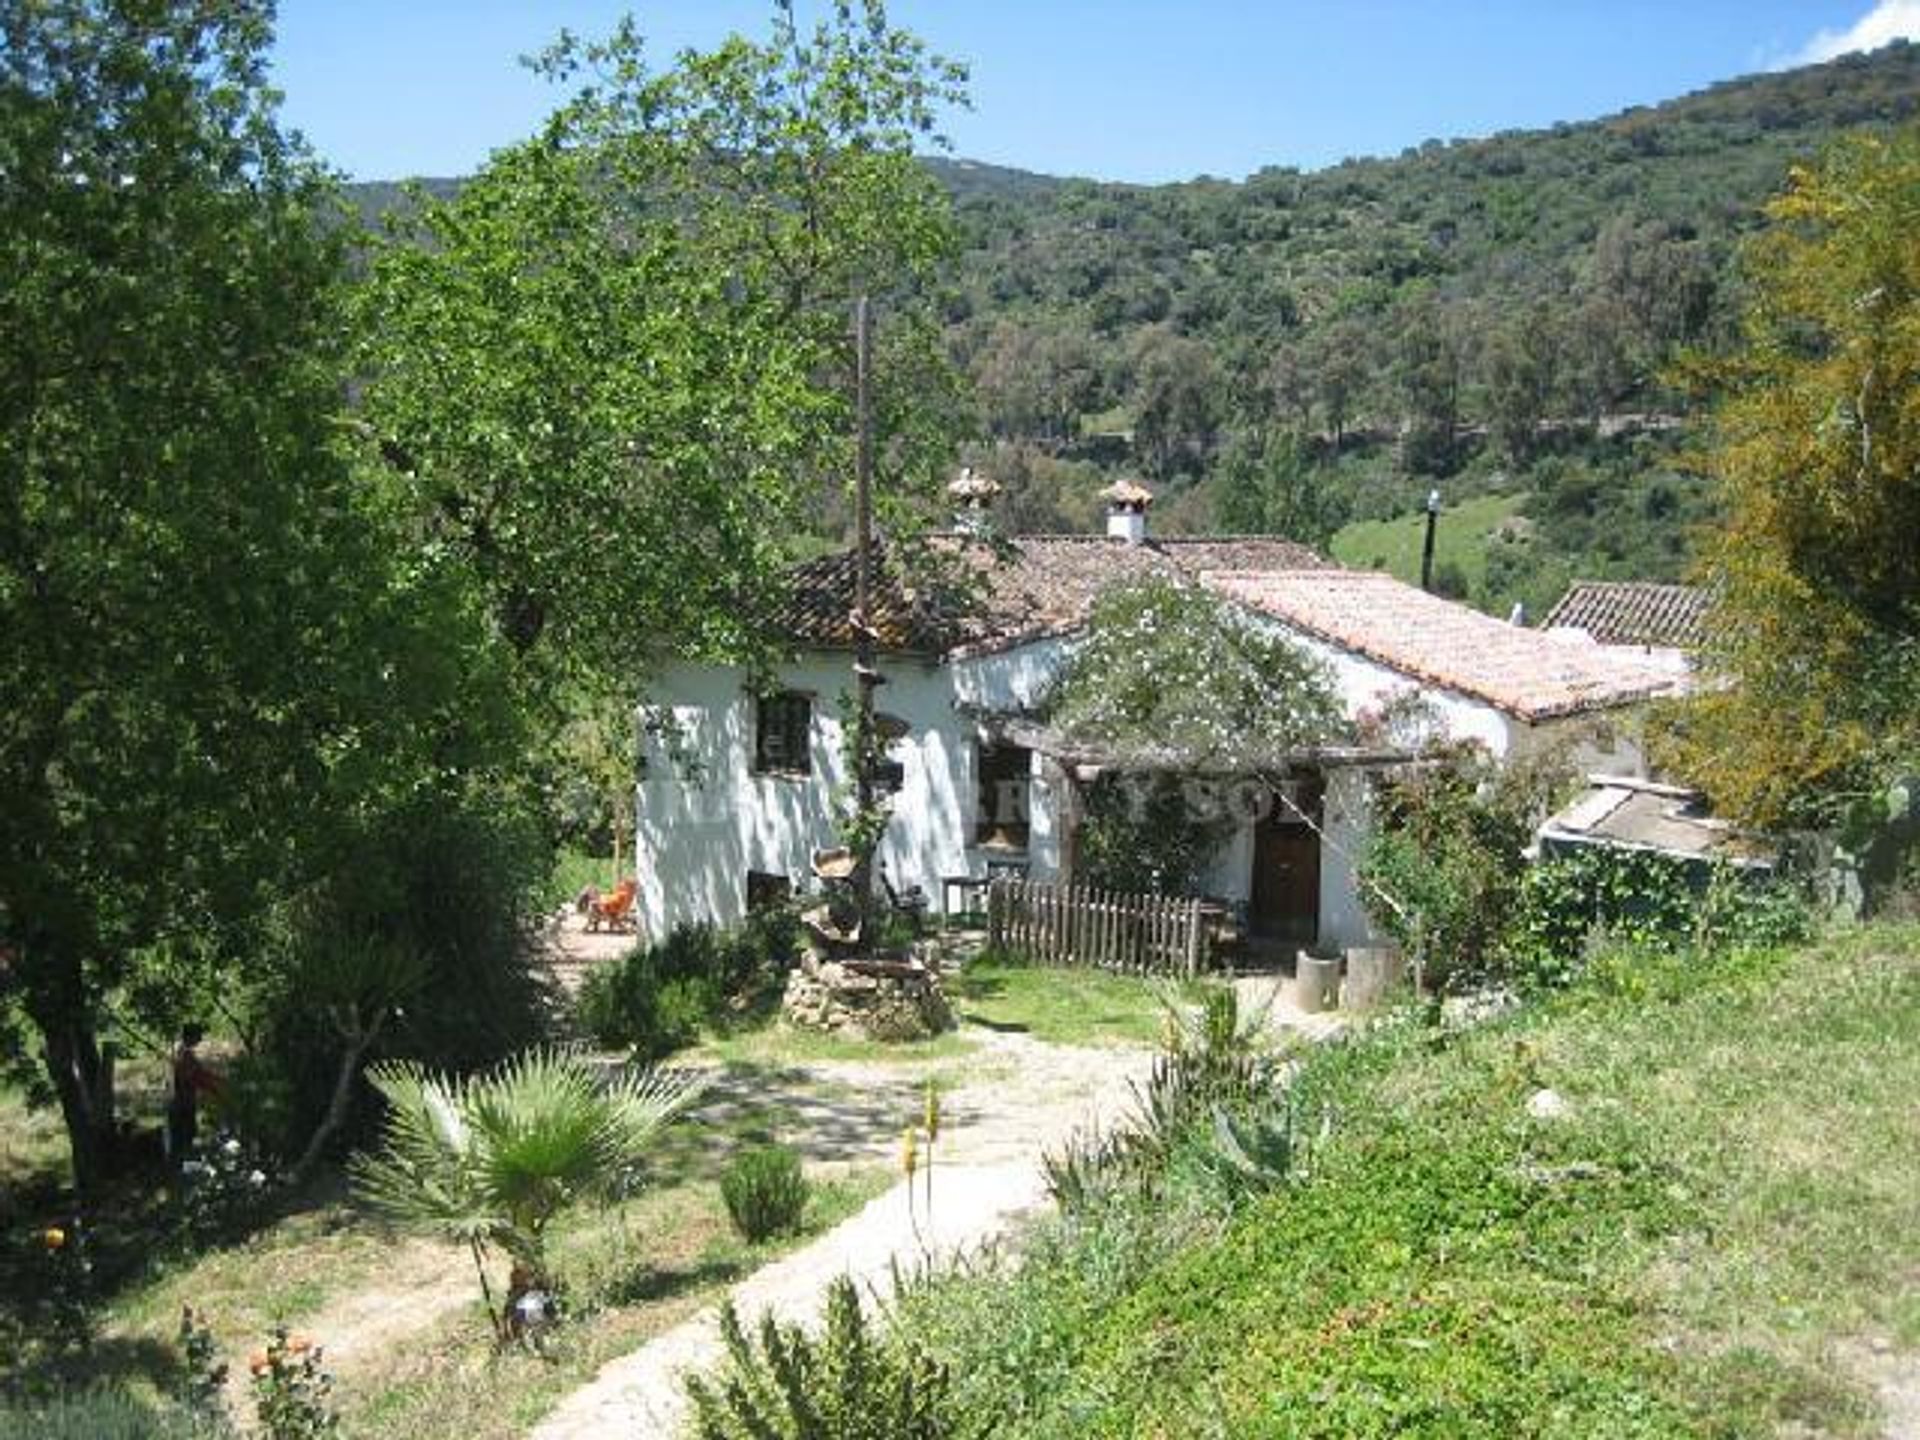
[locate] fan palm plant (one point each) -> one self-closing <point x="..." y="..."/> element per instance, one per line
<point x="490" y="1159"/>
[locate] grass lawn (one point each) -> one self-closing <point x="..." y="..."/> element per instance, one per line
<point x="1394" y="545"/>
<point x="400" y="1314"/>
<point x="1066" y="1006"/>
<point x="1714" y="1238"/>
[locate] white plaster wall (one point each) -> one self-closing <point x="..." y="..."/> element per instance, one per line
<point x="704" y="819"/>
<point x="1347" y="817"/>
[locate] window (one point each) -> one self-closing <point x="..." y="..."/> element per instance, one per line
<point x="1006" y="779"/>
<point x="766" y="890"/>
<point x="782" y="726"/>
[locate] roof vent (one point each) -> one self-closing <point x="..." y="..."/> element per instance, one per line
<point x="1127" y="502"/>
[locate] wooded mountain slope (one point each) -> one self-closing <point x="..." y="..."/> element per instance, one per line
<point x="1300" y="350"/>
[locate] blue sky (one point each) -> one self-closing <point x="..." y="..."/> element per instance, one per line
<point x="1122" y="90"/>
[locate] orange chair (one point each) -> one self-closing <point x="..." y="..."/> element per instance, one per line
<point x="614" y="910"/>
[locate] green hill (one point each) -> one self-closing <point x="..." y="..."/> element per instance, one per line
<point x="1467" y="311"/>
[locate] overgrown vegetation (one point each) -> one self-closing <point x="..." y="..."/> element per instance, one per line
<point x="659" y="998"/>
<point x="1815" y="440"/>
<point x="1172" y="682"/>
<point x="1673" y="1248"/>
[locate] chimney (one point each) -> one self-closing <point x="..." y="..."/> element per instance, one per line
<point x="1127" y="502"/>
<point x="971" y="495"/>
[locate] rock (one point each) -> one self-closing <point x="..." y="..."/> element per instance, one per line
<point x="902" y="1001"/>
<point x="1548" y="1105"/>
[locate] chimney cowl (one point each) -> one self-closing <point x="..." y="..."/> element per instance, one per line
<point x="1127" y="504"/>
<point x="971" y="494"/>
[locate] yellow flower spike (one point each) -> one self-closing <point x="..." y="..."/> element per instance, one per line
<point x="933" y="1112"/>
<point x="909" y="1151"/>
<point x="54" y="1237"/>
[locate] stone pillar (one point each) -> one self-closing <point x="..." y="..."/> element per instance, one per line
<point x="1316" y="982"/>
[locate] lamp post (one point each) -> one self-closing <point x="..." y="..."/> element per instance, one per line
<point x="1426" y="550"/>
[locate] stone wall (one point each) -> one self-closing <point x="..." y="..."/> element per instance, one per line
<point x="867" y="999"/>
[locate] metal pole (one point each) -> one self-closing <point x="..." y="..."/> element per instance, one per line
<point x="1426" y="551"/>
<point x="864" y="675"/>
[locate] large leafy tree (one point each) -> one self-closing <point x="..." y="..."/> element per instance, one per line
<point x="210" y="654"/>
<point x="1815" y="663"/>
<point x="615" y="369"/>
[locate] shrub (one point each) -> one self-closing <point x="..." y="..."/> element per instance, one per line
<point x="847" y="1385"/>
<point x="1641" y="903"/>
<point x="1212" y="1096"/>
<point x="765" y="1192"/>
<point x="491" y="1159"/>
<point x="658" y="997"/>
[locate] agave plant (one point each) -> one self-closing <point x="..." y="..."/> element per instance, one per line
<point x="490" y="1159"/>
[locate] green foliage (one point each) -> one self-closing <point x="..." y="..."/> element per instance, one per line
<point x="1814" y="450"/>
<point x="1642" y="903"/>
<point x="1152" y="834"/>
<point x="848" y="1385"/>
<point x="292" y="1394"/>
<point x="765" y="1192"/>
<point x="642" y="313"/>
<point x="657" y="998"/>
<point x="1449" y="1263"/>
<point x="1212" y="1095"/>
<point x="222" y="648"/>
<point x="491" y="1159"/>
<point x="1168" y="672"/>
<point x="1444" y="873"/>
<point x="101" y="1413"/>
<point x="1171" y="670"/>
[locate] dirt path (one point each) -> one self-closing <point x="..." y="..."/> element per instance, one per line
<point x="1019" y="1098"/>
<point x="643" y="1393"/>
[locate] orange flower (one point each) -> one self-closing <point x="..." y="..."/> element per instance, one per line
<point x="299" y="1344"/>
<point x="55" y="1238"/>
<point x="259" y="1363"/>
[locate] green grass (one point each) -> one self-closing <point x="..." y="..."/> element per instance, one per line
<point x="1394" y="545"/>
<point x="1726" y="1213"/>
<point x="1065" y="1006"/>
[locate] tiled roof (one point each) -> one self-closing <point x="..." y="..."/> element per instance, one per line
<point x="1528" y="673"/>
<point x="953" y="592"/>
<point x="1632" y="612"/>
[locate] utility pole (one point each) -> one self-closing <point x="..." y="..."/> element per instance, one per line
<point x="865" y="677"/>
<point x="1426" y="551"/>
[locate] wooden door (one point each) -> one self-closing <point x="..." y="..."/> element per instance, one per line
<point x="1286" y="873"/>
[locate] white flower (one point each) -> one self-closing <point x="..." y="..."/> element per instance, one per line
<point x="256" y="1178"/>
<point x="231" y="1147"/>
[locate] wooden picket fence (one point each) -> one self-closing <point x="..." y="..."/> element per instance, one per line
<point x="1107" y="929"/>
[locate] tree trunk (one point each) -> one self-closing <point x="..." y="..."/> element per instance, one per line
<point x="83" y="1080"/>
<point x="357" y="1039"/>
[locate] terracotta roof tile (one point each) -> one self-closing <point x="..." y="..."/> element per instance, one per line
<point x="953" y="592"/>
<point x="1528" y="673"/>
<point x="1632" y="612"/>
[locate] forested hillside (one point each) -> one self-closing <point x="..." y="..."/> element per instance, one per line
<point x="1300" y="351"/>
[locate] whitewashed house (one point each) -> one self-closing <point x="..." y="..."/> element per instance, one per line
<point x="741" y="788"/>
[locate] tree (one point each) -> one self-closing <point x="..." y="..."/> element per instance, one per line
<point x="207" y="625"/>
<point x="1176" y="383"/>
<point x="1813" y="686"/>
<point x="1269" y="486"/>
<point x="491" y="1159"/>
<point x="610" y="371"/>
<point x="1174" y="683"/>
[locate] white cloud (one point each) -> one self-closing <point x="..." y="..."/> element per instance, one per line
<point x="1887" y="20"/>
